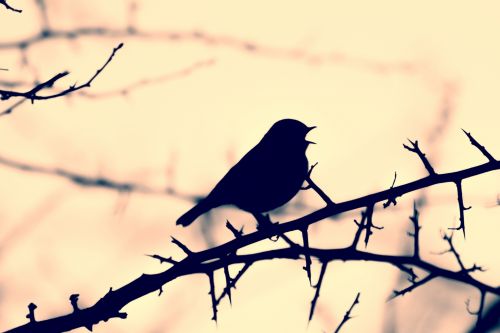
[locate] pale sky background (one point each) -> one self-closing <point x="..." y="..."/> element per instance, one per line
<point x="368" y="74"/>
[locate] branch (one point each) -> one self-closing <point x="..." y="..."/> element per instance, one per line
<point x="210" y="39"/>
<point x="183" y="247"/>
<point x="226" y="291"/>
<point x="318" y="288"/>
<point x="416" y="231"/>
<point x="236" y="233"/>
<point x="461" y="207"/>
<point x="479" y="312"/>
<point x="212" y="295"/>
<point x="33" y="93"/>
<point x="99" y="182"/>
<point x="369" y="224"/>
<point x="391" y="200"/>
<point x="413" y="285"/>
<point x="125" y="90"/>
<point x="478" y="146"/>
<point x="453" y="250"/>
<point x="415" y="149"/>
<point x="162" y="259"/>
<point x="347" y="315"/>
<point x="305" y="241"/>
<point x="490" y="319"/>
<point x="208" y="261"/>
<point x="4" y="2"/>
<point x="316" y="188"/>
<point x="219" y="257"/>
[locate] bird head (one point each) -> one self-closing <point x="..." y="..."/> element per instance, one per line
<point x="290" y="132"/>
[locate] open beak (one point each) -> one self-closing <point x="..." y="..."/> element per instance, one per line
<point x="308" y="130"/>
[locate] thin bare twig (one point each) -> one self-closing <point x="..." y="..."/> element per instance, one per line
<point x="481" y="148"/>
<point x="324" y="265"/>
<point x="163" y="259"/>
<point x="461" y="207"/>
<point x="347" y="315"/>
<point x="9" y="7"/>
<point x="183" y="247"/>
<point x="305" y="241"/>
<point x="316" y="188"/>
<point x="416" y="149"/>
<point x="233" y="282"/>
<point x="33" y="94"/>
<point x="416" y="231"/>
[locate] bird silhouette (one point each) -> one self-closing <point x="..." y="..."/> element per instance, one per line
<point x="267" y="177"/>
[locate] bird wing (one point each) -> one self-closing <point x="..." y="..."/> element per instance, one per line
<point x="244" y="175"/>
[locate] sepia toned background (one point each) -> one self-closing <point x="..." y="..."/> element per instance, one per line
<point x="195" y="86"/>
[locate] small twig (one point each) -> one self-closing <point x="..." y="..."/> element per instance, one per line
<point x="228" y="284"/>
<point x="163" y="259"/>
<point x="479" y="312"/>
<point x="4" y="2"/>
<point x="449" y="240"/>
<point x="32" y="94"/>
<point x="412" y="277"/>
<point x="415" y="149"/>
<point x="181" y="246"/>
<point x="212" y="295"/>
<point x="236" y="233"/>
<point x="391" y="199"/>
<point x="74" y="302"/>
<point x="347" y="315"/>
<point x="318" y="288"/>
<point x="100" y="182"/>
<point x="461" y="207"/>
<point x="319" y="191"/>
<point x="481" y="148"/>
<point x="412" y="286"/>
<point x="11" y="108"/>
<point x="416" y="231"/>
<point x="31" y="313"/>
<point x="361" y="227"/>
<point x="233" y="282"/>
<point x="369" y="224"/>
<point x="307" y="267"/>
<point x="127" y="89"/>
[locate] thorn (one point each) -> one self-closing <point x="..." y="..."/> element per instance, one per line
<point x="74" y="302"/>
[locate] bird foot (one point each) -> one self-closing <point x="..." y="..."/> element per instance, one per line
<point x="264" y="223"/>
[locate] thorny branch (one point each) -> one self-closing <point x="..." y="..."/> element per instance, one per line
<point x="122" y="91"/>
<point x="33" y="94"/>
<point x="416" y="149"/>
<point x="461" y="207"/>
<point x="6" y="5"/>
<point x="209" y="261"/>
<point x="481" y="148"/>
<point x="347" y="315"/>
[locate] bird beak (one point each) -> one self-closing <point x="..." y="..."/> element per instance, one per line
<point x="308" y="130"/>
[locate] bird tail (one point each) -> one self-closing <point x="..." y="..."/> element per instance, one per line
<point x="201" y="208"/>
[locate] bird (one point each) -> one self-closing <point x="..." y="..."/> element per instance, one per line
<point x="265" y="178"/>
